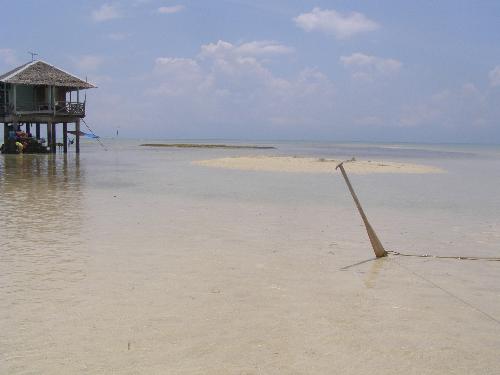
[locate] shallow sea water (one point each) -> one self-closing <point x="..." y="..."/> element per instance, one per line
<point x="134" y="261"/>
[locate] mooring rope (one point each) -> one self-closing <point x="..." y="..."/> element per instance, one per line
<point x="457" y="257"/>
<point x="96" y="137"/>
<point x="460" y="299"/>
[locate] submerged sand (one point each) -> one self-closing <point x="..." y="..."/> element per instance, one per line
<point x="124" y="262"/>
<point x="314" y="165"/>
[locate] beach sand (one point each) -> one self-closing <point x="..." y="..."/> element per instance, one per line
<point x="314" y="165"/>
<point x="137" y="261"/>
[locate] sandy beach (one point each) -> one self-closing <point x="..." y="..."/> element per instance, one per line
<point x="314" y="165"/>
<point x="136" y="261"/>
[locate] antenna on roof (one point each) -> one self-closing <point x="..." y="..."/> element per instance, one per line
<point x="33" y="54"/>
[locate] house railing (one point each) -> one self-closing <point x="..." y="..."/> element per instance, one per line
<point x="59" y="108"/>
<point x="70" y="108"/>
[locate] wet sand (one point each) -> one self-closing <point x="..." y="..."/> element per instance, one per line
<point x="135" y="262"/>
<point x="314" y="165"/>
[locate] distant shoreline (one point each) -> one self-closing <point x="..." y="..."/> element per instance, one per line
<point x="195" y="145"/>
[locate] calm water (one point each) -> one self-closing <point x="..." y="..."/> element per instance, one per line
<point x="84" y="239"/>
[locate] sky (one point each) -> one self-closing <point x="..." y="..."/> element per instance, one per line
<point x="383" y="71"/>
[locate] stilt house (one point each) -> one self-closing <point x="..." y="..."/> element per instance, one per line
<point x="38" y="93"/>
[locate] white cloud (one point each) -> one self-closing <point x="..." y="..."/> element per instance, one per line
<point x="88" y="62"/>
<point x="460" y="107"/>
<point x="170" y="65"/>
<point x="106" y="12"/>
<point x="335" y="23"/>
<point x="177" y="76"/>
<point x="261" y="48"/>
<point x="495" y="76"/>
<point x="366" y="67"/>
<point x="229" y="84"/>
<point x="171" y="9"/>
<point x="8" y="56"/>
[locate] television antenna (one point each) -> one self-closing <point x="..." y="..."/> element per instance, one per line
<point x="33" y="54"/>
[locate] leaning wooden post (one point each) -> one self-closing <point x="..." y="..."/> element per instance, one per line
<point x="77" y="129"/>
<point x="376" y="244"/>
<point x="65" y="137"/>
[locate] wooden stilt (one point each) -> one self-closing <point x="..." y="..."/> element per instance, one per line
<point x="54" y="138"/>
<point x="77" y="129"/>
<point x="65" y="137"/>
<point x="49" y="135"/>
<point x="5" y="134"/>
<point x="37" y="130"/>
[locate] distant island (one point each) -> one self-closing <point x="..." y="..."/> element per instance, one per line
<point x="195" y="145"/>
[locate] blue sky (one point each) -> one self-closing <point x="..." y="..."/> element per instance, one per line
<point x="421" y="71"/>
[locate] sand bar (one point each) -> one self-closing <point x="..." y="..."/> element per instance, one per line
<point x="314" y="165"/>
<point x="196" y="145"/>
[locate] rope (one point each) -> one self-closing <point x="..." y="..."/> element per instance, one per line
<point x="490" y="259"/>
<point x="484" y="313"/>
<point x="96" y="137"/>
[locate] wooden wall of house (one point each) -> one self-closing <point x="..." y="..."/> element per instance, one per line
<point x="4" y="98"/>
<point x="25" y="97"/>
<point x="60" y="94"/>
<point x="40" y="95"/>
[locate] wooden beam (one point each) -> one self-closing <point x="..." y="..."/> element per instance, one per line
<point x="65" y="137"/>
<point x="37" y="130"/>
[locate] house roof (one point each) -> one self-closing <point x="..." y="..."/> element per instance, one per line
<point x="41" y="73"/>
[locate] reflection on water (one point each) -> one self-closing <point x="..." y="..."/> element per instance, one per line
<point x="371" y="277"/>
<point x="40" y="206"/>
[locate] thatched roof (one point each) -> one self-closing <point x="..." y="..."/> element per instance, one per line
<point x="40" y="73"/>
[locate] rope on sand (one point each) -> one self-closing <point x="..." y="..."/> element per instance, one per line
<point x="490" y="259"/>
